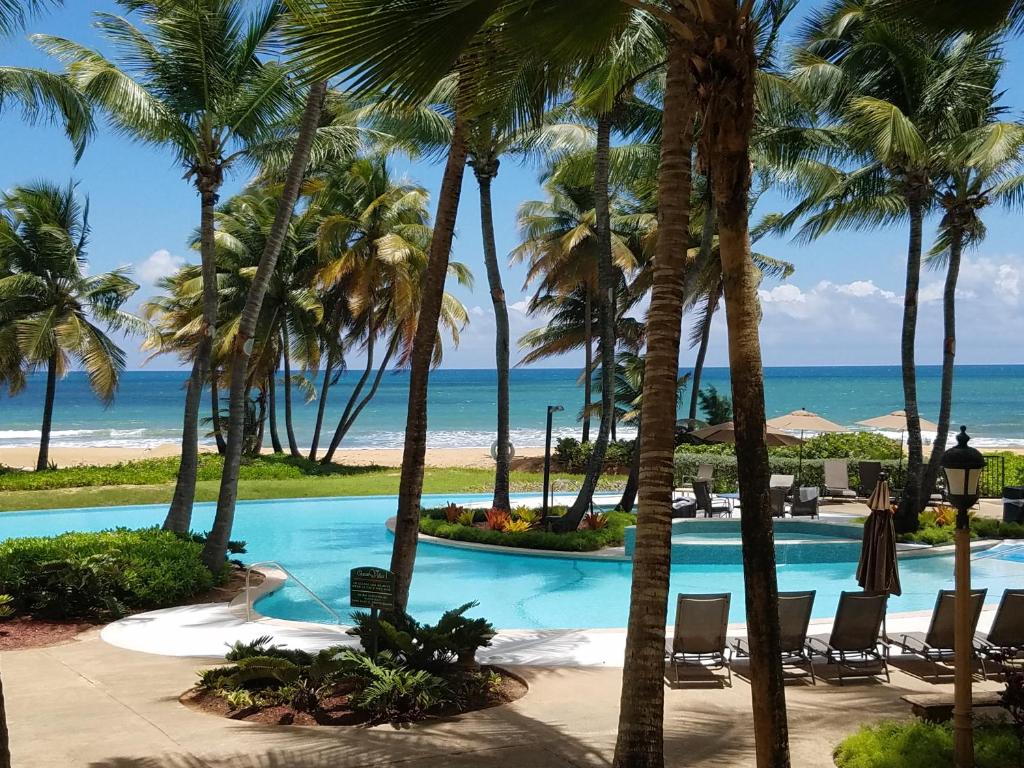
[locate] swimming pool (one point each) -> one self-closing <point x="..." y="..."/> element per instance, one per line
<point x="321" y="539"/>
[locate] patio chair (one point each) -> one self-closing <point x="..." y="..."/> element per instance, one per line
<point x="699" y="638"/>
<point x="869" y="472"/>
<point x="805" y="503"/>
<point x="1004" y="642"/>
<point x="794" y="616"/>
<point x="683" y="507"/>
<point x="837" y="480"/>
<point x="936" y="645"/>
<point x="779" y="487"/>
<point x="708" y="504"/>
<point x="705" y="474"/>
<point x="854" y="644"/>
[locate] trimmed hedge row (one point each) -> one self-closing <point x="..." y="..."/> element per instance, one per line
<point x="100" y="575"/>
<point x="578" y="541"/>
<point x="811" y="472"/>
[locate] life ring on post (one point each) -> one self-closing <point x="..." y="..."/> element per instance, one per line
<point x="494" y="450"/>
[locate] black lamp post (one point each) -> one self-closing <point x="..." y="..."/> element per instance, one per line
<point x="552" y="409"/>
<point x="962" y="466"/>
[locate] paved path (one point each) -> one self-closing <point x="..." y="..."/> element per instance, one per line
<point x="87" y="704"/>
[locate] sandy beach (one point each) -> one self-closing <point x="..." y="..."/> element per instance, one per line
<point x="63" y="456"/>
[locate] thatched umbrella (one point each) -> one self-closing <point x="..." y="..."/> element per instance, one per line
<point x="878" y="569"/>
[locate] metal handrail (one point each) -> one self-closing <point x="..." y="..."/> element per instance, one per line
<point x="248" y="594"/>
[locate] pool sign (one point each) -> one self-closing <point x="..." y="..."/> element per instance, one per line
<point x="372" y="588"/>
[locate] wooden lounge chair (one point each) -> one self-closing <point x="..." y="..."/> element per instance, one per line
<point x="854" y="645"/>
<point x="837" y="480"/>
<point x="1004" y="642"/>
<point x="699" y="638"/>
<point x="805" y="503"/>
<point x="709" y="505"/>
<point x="794" y="616"/>
<point x="936" y="645"/>
<point x="869" y="472"/>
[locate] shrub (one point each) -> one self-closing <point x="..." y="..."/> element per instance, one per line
<point x="575" y="541"/>
<point x="529" y="516"/>
<point x="517" y="526"/>
<point x="466" y="518"/>
<point x="572" y="455"/>
<point x="919" y="744"/>
<point x="453" y="512"/>
<point x="594" y="521"/>
<point x="97" y="575"/>
<point x="497" y="519"/>
<point x="393" y="693"/>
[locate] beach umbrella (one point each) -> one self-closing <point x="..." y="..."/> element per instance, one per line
<point x="726" y="433"/>
<point x="896" y="422"/>
<point x="802" y="420"/>
<point x="878" y="569"/>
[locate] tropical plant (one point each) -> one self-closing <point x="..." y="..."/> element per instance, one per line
<point x="51" y="310"/>
<point x="195" y="79"/>
<point x="497" y="519"/>
<point x="717" y="408"/>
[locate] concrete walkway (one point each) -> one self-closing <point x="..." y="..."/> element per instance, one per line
<point x="88" y="704"/>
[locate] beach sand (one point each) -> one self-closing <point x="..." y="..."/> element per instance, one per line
<point x="62" y="456"/>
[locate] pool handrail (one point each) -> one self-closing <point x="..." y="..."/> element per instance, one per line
<point x="248" y="594"/>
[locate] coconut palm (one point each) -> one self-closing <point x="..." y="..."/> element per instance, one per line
<point x="195" y="79"/>
<point x="987" y="167"/>
<point x="53" y="308"/>
<point x="893" y="119"/>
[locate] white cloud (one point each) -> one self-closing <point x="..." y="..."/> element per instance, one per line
<point x="160" y="264"/>
<point x="522" y="306"/>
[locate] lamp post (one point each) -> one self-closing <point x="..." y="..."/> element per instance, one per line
<point x="552" y="409"/>
<point x="962" y="466"/>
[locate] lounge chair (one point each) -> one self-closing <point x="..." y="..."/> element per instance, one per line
<point x="837" y="480"/>
<point x="705" y="474"/>
<point x="684" y="507"/>
<point x="936" y="644"/>
<point x="709" y="505"/>
<point x="805" y="503"/>
<point x="699" y="638"/>
<point x="854" y="644"/>
<point x="794" y="616"/>
<point x="1004" y="642"/>
<point x="869" y="472"/>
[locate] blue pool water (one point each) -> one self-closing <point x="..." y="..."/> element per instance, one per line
<point x="321" y="539"/>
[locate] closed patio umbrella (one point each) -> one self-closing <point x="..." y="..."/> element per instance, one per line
<point x="878" y="569"/>
<point x="802" y="420"/>
<point x="726" y="433"/>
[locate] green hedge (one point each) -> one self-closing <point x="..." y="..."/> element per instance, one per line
<point x="919" y="744"/>
<point x="572" y="455"/>
<point x="98" y="575"/>
<point x="811" y="471"/>
<point x="578" y="541"/>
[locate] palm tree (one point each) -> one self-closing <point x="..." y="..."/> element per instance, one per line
<point x="49" y="302"/>
<point x="194" y="79"/>
<point x="893" y="117"/>
<point x="987" y="167"/>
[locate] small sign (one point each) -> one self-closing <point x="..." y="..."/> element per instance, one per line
<point x="372" y="588"/>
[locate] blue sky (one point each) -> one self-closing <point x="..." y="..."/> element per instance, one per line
<point x="841" y="307"/>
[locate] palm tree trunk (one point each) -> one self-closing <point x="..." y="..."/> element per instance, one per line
<point x="702" y="351"/>
<point x="215" y="550"/>
<point x="321" y="406"/>
<point x="369" y="395"/>
<point x="910" y="504"/>
<point x="43" y="460"/>
<point x="341" y="429"/>
<point x="275" y="439"/>
<point x="728" y="129"/>
<point x="956" y="245"/>
<point x="410" y="488"/>
<point x="486" y="169"/>
<point x="5" y="739"/>
<point x="179" y="516"/>
<point x="218" y="432"/>
<point x="606" y="313"/>
<point x="633" y="480"/>
<point x="289" y="428"/>
<point x="588" y="359"/>
<point x="640" y="742"/>
<point x="707" y="240"/>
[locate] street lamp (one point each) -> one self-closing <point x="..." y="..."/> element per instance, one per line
<point x="552" y="409"/>
<point x="962" y="466"/>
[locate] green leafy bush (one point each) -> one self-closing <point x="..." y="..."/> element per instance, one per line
<point x="935" y="530"/>
<point x="572" y="455"/>
<point x="809" y="472"/>
<point x="863" y="446"/>
<point x="919" y="744"/>
<point x="576" y="541"/>
<point x="97" y="575"/>
<point x="393" y="693"/>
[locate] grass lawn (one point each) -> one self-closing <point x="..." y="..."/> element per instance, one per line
<point x="152" y="482"/>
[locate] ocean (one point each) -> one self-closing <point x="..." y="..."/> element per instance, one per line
<point x="147" y="409"/>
